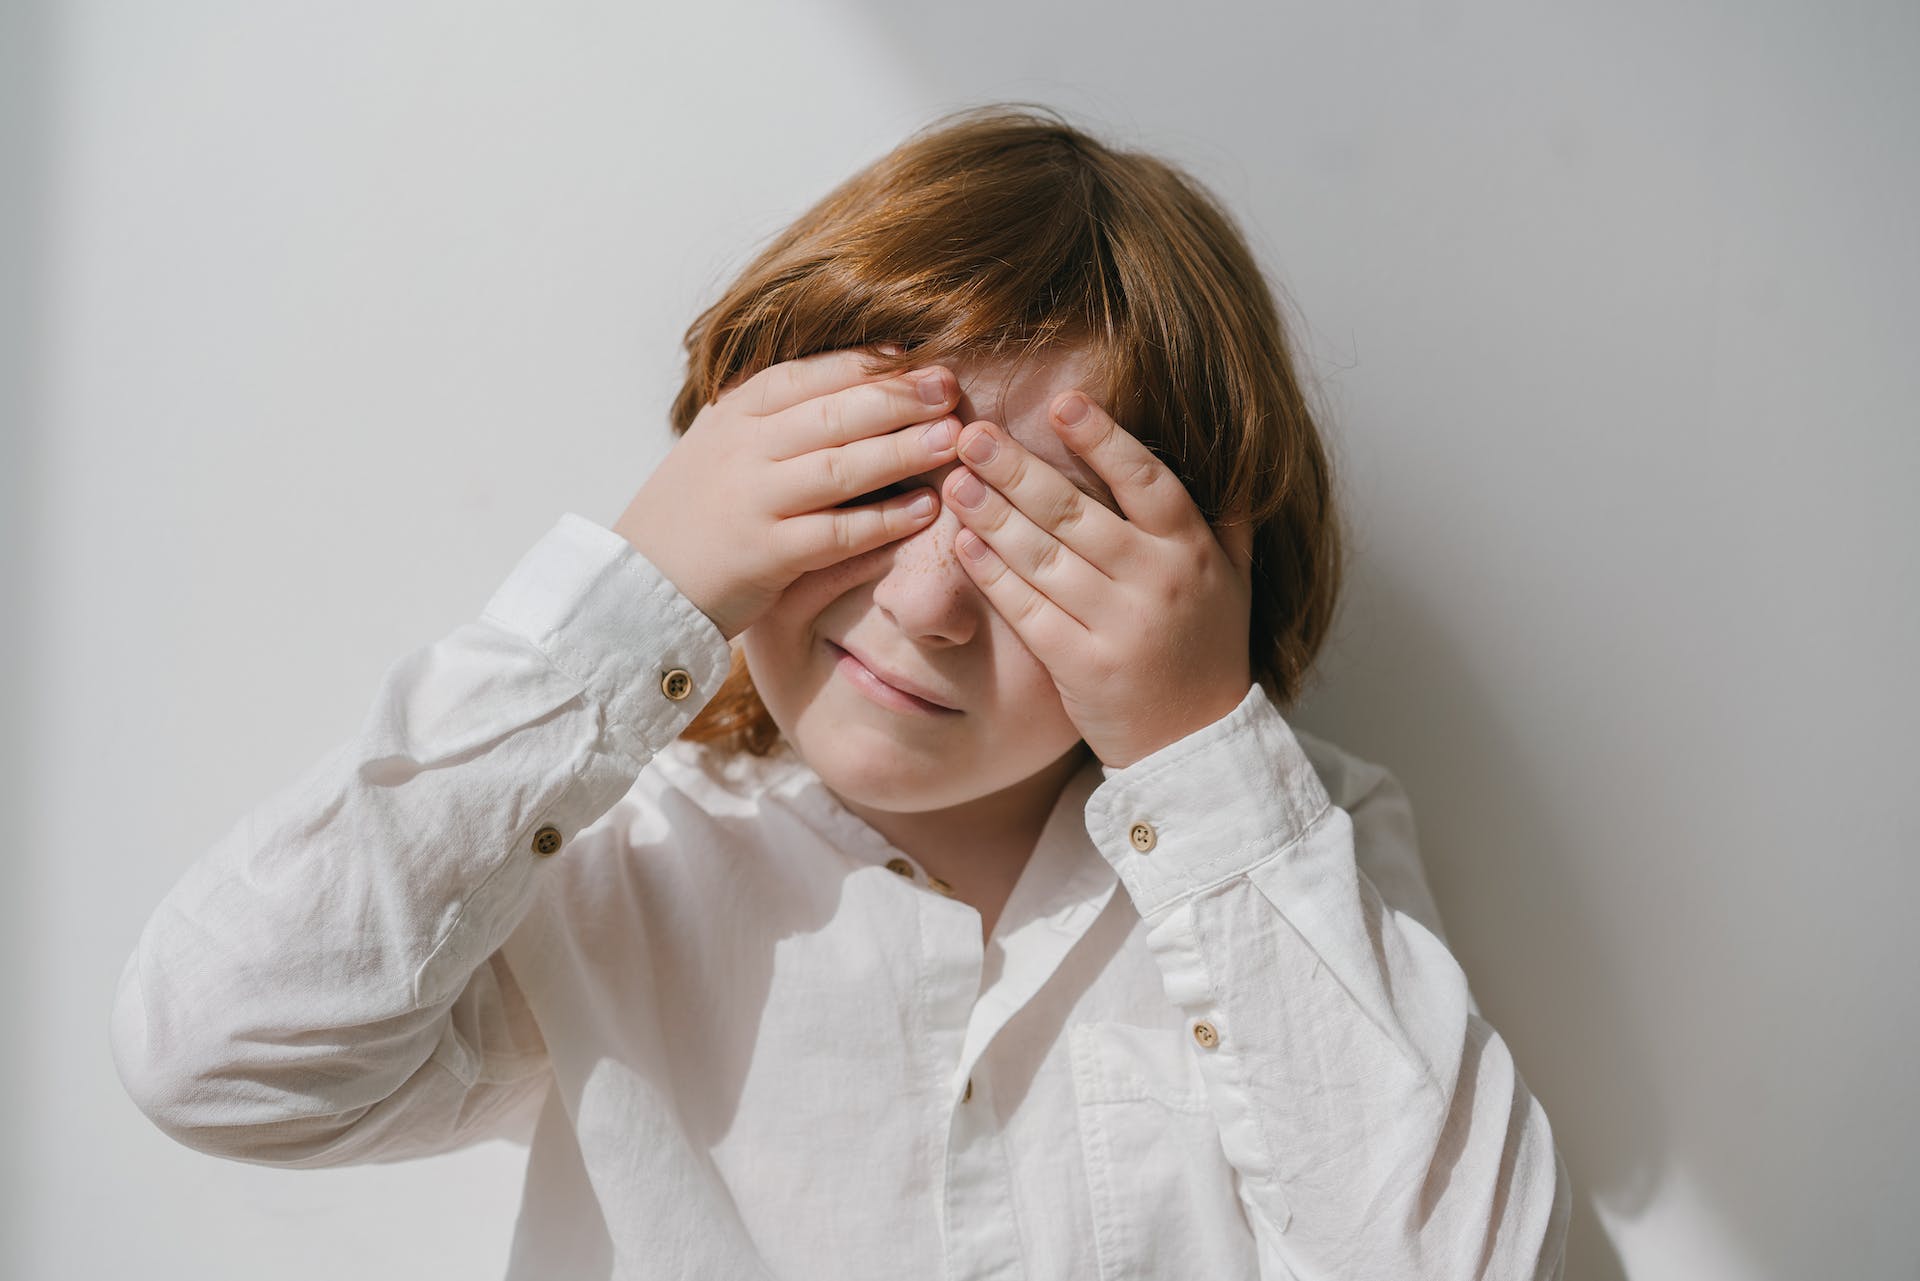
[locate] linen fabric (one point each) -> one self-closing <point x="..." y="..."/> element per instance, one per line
<point x="738" y="1044"/>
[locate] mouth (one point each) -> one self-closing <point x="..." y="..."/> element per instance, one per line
<point x="878" y="689"/>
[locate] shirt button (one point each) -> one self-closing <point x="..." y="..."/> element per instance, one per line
<point x="969" y="1093"/>
<point x="1142" y="836"/>
<point x="940" y="885"/>
<point x="901" y="866"/>
<point x="546" y="840"/>
<point x="1203" y="1032"/>
<point x="676" y="684"/>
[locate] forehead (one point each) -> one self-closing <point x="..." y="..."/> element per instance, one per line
<point x="1015" y="392"/>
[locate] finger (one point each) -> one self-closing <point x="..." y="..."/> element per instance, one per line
<point x="862" y="410"/>
<point x="1047" y="497"/>
<point x="819" y="539"/>
<point x="791" y="382"/>
<point x="1148" y="492"/>
<point x="851" y="472"/>
<point x="1043" y="561"/>
<point x="1043" y="627"/>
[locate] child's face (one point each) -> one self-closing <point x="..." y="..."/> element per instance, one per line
<point x="911" y="608"/>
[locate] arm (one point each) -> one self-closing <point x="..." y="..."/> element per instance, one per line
<point x="324" y="986"/>
<point x="1379" y="1125"/>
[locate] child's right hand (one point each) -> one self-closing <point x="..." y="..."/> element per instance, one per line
<point x="747" y="500"/>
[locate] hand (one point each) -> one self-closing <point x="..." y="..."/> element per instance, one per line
<point x="750" y="497"/>
<point x="1142" y="621"/>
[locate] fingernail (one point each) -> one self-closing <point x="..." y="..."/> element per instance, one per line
<point x="981" y="448"/>
<point x="967" y="490"/>
<point x="1071" y="410"/>
<point x="938" y="437"/>
<point x="933" y="388"/>
<point x="921" y="507"/>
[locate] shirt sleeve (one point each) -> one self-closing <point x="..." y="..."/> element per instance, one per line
<point x="1377" y="1123"/>
<point x="324" y="986"/>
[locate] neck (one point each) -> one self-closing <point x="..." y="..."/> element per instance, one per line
<point x="979" y="847"/>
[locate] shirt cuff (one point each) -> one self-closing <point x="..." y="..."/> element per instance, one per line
<point x="607" y="617"/>
<point x="1207" y="807"/>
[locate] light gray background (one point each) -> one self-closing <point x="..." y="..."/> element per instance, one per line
<point x="317" y="316"/>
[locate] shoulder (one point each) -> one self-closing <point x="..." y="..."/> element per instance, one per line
<point x="690" y="806"/>
<point x="712" y="779"/>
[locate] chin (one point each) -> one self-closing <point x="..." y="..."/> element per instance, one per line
<point x="876" y="770"/>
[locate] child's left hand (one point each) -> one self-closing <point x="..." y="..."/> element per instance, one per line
<point x="1142" y="622"/>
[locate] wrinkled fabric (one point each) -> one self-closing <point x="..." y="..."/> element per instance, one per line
<point x="737" y="1043"/>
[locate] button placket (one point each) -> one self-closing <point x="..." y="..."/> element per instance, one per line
<point x="902" y="867"/>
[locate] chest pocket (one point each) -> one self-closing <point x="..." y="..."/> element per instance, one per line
<point x="1164" y="1202"/>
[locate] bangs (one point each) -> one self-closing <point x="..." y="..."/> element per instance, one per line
<point x="1002" y="234"/>
<point x="993" y="244"/>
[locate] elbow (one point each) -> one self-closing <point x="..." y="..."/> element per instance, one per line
<point x="156" y="1083"/>
<point x="199" y="1100"/>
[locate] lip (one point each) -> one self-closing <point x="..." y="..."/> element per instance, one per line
<point x="884" y="688"/>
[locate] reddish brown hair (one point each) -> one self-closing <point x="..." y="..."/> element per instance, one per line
<point x="1004" y="230"/>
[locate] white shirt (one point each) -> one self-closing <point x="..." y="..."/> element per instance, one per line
<point x="745" y="1037"/>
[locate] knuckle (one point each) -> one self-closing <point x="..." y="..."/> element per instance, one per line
<point x="833" y="415"/>
<point x="1144" y="474"/>
<point x="907" y="452"/>
<point x="833" y="471"/>
<point x="1166" y="594"/>
<point x="845" y="533"/>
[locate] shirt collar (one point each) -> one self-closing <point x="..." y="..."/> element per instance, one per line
<point x="1066" y="881"/>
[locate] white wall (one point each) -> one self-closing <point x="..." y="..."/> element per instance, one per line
<point x="316" y="316"/>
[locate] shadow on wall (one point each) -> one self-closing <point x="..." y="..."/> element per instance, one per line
<point x="25" y="54"/>
<point x="1509" y="898"/>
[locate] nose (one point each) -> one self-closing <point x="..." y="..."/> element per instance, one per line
<point x="924" y="588"/>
